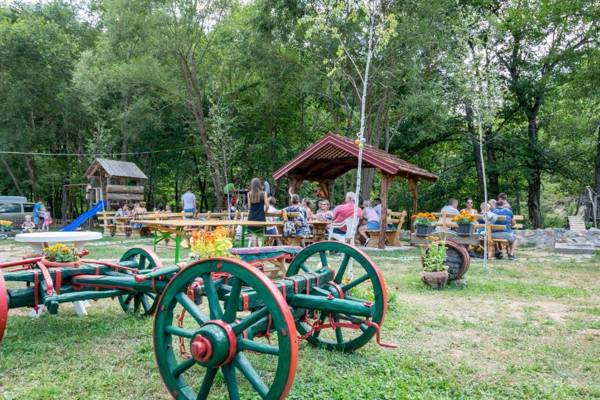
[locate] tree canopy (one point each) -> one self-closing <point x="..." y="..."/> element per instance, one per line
<point x="204" y="93"/>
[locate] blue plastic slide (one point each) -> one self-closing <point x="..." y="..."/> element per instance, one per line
<point x="77" y="222"/>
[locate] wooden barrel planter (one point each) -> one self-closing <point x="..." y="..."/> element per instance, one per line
<point x="457" y="260"/>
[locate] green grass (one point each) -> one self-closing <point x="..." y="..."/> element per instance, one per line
<point x="528" y="329"/>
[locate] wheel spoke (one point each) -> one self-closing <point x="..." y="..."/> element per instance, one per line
<point x="151" y="295"/>
<point x="174" y="330"/>
<point x="232" y="304"/>
<point x="232" y="388"/>
<point x="142" y="263"/>
<point x="251" y="345"/>
<point x="339" y="336"/>
<point x="324" y="261"/>
<point x="184" y="366"/>
<point x="355" y="282"/>
<point x="321" y="320"/>
<point x="191" y="307"/>
<point x="304" y="268"/>
<point x="246" y="368"/>
<point x="136" y="303"/>
<point x="145" y="304"/>
<point x="342" y="270"/>
<point x="213" y="298"/>
<point x="128" y="300"/>
<point x="250" y="320"/>
<point x="207" y="383"/>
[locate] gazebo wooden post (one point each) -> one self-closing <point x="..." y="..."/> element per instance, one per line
<point x="386" y="181"/>
<point x="412" y="185"/>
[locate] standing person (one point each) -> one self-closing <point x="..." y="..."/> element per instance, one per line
<point x="47" y="220"/>
<point x="188" y="202"/>
<point x="38" y="210"/>
<point x="507" y="234"/>
<point x="258" y="202"/>
<point x="469" y="207"/>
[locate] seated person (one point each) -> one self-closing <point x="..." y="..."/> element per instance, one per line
<point x="503" y="196"/>
<point x="469" y="207"/>
<point x="344" y="211"/>
<point x="324" y="213"/>
<point x="486" y="215"/>
<point x="27" y="226"/>
<point x="507" y="233"/>
<point x="306" y="204"/>
<point x="271" y="230"/>
<point x="372" y="221"/>
<point x="450" y="210"/>
<point x="299" y="219"/>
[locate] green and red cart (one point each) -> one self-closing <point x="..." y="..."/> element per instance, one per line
<point x="221" y="314"/>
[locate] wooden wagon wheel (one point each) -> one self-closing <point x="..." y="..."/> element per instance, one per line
<point x="143" y="302"/>
<point x="3" y="306"/>
<point x="365" y="284"/>
<point x="216" y="334"/>
<point x="457" y="260"/>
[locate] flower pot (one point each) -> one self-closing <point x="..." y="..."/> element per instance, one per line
<point x="55" y="264"/>
<point x="436" y="280"/>
<point x="464" y="229"/>
<point x="424" y="230"/>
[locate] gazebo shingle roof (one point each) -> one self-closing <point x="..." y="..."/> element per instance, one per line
<point x="334" y="155"/>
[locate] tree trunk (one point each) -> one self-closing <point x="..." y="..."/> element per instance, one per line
<point x="492" y="171"/>
<point x="597" y="169"/>
<point x="534" y="186"/>
<point x="476" y="150"/>
<point x="12" y="176"/>
<point x="196" y="105"/>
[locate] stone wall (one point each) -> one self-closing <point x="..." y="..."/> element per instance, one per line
<point x="551" y="236"/>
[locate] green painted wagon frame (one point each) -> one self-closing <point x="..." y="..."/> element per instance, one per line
<point x="215" y="314"/>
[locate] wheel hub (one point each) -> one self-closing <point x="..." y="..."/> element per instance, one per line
<point x="214" y="344"/>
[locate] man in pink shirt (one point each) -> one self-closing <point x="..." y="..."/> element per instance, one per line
<point x="345" y="211"/>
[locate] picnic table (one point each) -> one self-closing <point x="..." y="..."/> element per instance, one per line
<point x="175" y="229"/>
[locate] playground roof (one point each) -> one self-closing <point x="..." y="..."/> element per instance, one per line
<point x="333" y="155"/>
<point x="121" y="169"/>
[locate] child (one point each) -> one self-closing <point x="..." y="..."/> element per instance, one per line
<point x="28" y="226"/>
<point x="47" y="220"/>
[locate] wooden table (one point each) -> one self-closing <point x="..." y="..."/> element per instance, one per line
<point x="319" y="230"/>
<point x="175" y="229"/>
<point x="472" y="239"/>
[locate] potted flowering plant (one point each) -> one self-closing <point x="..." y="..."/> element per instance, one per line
<point x="465" y="222"/>
<point x="433" y="257"/>
<point x="216" y="243"/>
<point x="424" y="223"/>
<point x="60" y="255"/>
<point x="5" y="226"/>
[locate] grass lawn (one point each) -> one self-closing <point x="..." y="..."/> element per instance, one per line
<point x="525" y="329"/>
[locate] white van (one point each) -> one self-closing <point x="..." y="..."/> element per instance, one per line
<point x="14" y="208"/>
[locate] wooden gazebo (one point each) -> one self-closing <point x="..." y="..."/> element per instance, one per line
<point x="334" y="155"/>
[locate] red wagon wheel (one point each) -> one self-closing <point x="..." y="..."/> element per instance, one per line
<point x="141" y="302"/>
<point x="3" y="306"/>
<point x="199" y="331"/>
<point x="457" y="260"/>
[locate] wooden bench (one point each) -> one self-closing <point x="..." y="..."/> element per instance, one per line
<point x="392" y="235"/>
